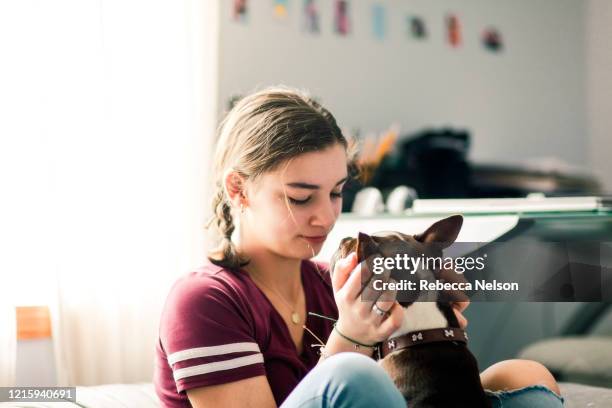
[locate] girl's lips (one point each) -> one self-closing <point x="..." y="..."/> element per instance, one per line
<point x="315" y="239"/>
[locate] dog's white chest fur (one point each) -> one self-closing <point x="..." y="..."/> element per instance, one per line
<point x="421" y="316"/>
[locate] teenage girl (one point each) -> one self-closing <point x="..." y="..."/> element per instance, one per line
<point x="237" y="332"/>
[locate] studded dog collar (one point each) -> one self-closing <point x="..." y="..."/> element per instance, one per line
<point x="415" y="338"/>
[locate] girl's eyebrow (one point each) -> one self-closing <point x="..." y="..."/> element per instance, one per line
<point x="299" y="184"/>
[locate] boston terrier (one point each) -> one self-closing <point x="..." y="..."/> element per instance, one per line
<point x="427" y="357"/>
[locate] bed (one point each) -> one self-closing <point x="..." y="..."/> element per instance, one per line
<point x="143" y="396"/>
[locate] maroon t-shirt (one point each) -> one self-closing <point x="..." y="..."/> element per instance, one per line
<point x="217" y="326"/>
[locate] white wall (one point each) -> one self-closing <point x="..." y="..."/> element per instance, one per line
<point x="599" y="88"/>
<point x="528" y="101"/>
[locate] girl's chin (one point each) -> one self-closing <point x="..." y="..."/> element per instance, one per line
<point x="311" y="250"/>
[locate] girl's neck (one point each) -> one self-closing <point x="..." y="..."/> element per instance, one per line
<point x="280" y="274"/>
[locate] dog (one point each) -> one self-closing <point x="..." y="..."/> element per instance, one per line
<point x="427" y="357"/>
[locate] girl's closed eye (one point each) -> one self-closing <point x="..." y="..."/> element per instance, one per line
<point x="337" y="194"/>
<point x="298" y="202"/>
<point x="334" y="194"/>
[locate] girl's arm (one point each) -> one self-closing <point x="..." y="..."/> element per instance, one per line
<point x="252" y="392"/>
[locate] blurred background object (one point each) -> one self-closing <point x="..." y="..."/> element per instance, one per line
<point x="400" y="198"/>
<point x="432" y="162"/>
<point x="368" y="201"/>
<point x="435" y="164"/>
<point x="551" y="177"/>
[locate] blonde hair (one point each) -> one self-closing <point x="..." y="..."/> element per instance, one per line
<point x="261" y="132"/>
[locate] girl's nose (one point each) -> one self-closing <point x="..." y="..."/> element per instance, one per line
<point x="325" y="215"/>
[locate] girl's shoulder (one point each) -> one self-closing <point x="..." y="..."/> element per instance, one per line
<point x="207" y="286"/>
<point x="208" y="318"/>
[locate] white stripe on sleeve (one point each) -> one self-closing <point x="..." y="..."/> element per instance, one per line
<point x="211" y="351"/>
<point x="218" y="366"/>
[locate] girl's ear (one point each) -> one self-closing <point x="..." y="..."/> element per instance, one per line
<point x="444" y="231"/>
<point x="234" y="185"/>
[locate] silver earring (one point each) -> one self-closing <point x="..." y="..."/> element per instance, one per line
<point x="241" y="208"/>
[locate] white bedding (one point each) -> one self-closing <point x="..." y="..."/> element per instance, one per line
<point x="143" y="396"/>
<point x="103" y="396"/>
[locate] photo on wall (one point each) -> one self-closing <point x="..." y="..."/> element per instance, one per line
<point x="492" y="40"/>
<point x="416" y="28"/>
<point x="311" y="17"/>
<point x="378" y="21"/>
<point x="453" y="30"/>
<point x="342" y="23"/>
<point x="240" y="11"/>
<point x="281" y="9"/>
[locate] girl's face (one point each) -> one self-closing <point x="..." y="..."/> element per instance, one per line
<point x="291" y="210"/>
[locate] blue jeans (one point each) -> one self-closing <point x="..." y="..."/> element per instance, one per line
<point x="351" y="380"/>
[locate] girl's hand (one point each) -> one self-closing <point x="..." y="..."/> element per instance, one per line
<point x="357" y="318"/>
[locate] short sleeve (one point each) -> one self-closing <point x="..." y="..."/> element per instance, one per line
<point x="207" y="335"/>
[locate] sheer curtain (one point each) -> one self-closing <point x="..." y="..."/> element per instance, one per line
<point x="8" y="342"/>
<point x="124" y="108"/>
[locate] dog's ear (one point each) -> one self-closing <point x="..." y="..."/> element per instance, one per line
<point x="365" y="246"/>
<point x="347" y="245"/>
<point x="444" y="231"/>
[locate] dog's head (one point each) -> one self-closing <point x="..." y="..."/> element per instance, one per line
<point x="425" y="311"/>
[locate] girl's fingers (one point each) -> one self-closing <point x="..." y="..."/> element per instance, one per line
<point x="353" y="283"/>
<point x="342" y="271"/>
<point x="392" y="322"/>
<point x="387" y="299"/>
<point x="384" y="303"/>
<point x="369" y="292"/>
<point x="384" y="306"/>
<point x="375" y="311"/>
<point x="461" y="306"/>
<point x="461" y="319"/>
